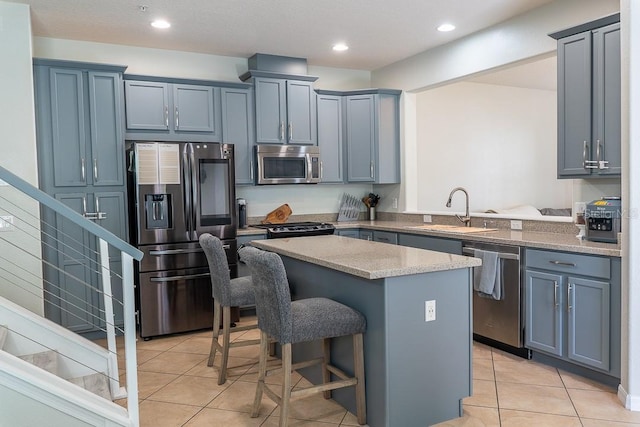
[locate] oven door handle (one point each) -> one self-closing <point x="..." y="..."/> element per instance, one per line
<point x="501" y="255"/>
<point x="178" y="278"/>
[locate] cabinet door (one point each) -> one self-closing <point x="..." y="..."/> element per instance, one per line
<point x="366" y="235"/>
<point x="76" y="295"/>
<point x="330" y="138"/>
<point x="194" y="109"/>
<point x="574" y="105"/>
<point x="360" y="138"/>
<point x="354" y="234"/>
<point x="147" y="105"/>
<point x="70" y="162"/>
<point x="387" y="154"/>
<point x="544" y="300"/>
<point x="588" y="322"/>
<point x="237" y="129"/>
<point x="301" y="113"/>
<point x="270" y="110"/>
<point x="606" y="102"/>
<point x="105" y="118"/>
<point x="385" y="237"/>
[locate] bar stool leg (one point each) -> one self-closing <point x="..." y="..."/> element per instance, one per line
<point x="216" y="333"/>
<point x="286" y="385"/>
<point x="262" y="372"/>
<point x="226" y="332"/>
<point x="358" y="365"/>
<point x="326" y="360"/>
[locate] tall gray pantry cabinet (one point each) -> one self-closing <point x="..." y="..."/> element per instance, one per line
<point x="589" y="98"/>
<point x="81" y="163"/>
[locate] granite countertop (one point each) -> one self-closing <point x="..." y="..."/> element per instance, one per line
<point x="529" y="239"/>
<point x="371" y="260"/>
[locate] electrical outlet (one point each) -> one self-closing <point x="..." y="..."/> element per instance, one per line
<point x="395" y="203"/>
<point x="426" y="218"/>
<point x="516" y="224"/>
<point x="430" y="310"/>
<point x="6" y="223"/>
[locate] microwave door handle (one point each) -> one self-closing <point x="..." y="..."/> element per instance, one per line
<point x="309" y="167"/>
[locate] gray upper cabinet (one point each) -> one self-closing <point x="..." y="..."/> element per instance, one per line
<point x="85" y="137"/>
<point x="238" y="129"/>
<point x="285" y="111"/>
<point x="589" y="98"/>
<point x="573" y="308"/>
<point x="373" y="137"/>
<point x="172" y="111"/>
<point x="330" y="138"/>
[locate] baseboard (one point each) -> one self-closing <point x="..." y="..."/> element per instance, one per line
<point x="630" y="402"/>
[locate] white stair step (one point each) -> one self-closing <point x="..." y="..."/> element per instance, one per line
<point x="96" y="383"/>
<point x="3" y="335"/>
<point x="47" y="360"/>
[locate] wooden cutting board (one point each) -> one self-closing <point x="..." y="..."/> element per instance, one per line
<point x="278" y="216"/>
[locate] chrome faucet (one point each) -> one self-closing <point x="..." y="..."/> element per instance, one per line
<point x="466" y="219"/>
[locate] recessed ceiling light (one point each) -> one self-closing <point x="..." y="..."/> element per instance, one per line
<point x="160" y="23"/>
<point x="446" y="27"/>
<point x="340" y="47"/>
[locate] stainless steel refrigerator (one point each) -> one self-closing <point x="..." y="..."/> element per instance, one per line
<point x="177" y="191"/>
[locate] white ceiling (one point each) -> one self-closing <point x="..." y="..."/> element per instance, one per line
<point x="379" y="32"/>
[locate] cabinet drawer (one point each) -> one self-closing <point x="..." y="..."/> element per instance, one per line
<point x="385" y="237"/>
<point x="584" y="265"/>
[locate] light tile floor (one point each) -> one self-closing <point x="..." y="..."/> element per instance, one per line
<point x="178" y="389"/>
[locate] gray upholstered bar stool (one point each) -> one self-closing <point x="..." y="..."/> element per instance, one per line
<point x="227" y="293"/>
<point x="302" y="320"/>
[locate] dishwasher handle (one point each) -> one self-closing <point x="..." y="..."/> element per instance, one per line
<point x="501" y="255"/>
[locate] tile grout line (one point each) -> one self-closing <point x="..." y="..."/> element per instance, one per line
<point x="495" y="383"/>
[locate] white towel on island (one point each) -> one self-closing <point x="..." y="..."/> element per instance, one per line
<point x="487" y="278"/>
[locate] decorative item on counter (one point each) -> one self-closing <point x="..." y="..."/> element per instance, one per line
<point x="371" y="201"/>
<point x="349" y="208"/>
<point x="278" y="216"/>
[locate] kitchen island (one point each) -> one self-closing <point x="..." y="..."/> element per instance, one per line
<point x="417" y="372"/>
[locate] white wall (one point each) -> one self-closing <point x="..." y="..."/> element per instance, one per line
<point x="499" y="142"/>
<point x="19" y="252"/>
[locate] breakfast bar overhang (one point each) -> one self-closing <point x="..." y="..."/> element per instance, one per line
<point x="417" y="371"/>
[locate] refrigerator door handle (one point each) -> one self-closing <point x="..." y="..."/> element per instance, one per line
<point x="177" y="251"/>
<point x="194" y="194"/>
<point x="178" y="278"/>
<point x="186" y="178"/>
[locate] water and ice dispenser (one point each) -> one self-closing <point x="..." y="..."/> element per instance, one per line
<point x="157" y="209"/>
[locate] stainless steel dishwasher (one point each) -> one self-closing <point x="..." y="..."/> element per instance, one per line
<point x="501" y="321"/>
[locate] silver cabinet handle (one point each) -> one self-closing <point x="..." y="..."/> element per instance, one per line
<point x="82" y="169"/>
<point x="251" y="170"/>
<point x="98" y="214"/>
<point x="281" y="131"/>
<point x="569" y="288"/>
<point x="555" y="293"/>
<point x="371" y="169"/>
<point x="602" y="164"/>
<point x="166" y="116"/>
<point x="84" y="206"/>
<point x="95" y="169"/>
<point x="321" y="171"/>
<point x="178" y="278"/>
<point x="290" y="131"/>
<point x="588" y="164"/>
<point x="566" y="264"/>
<point x="177" y="117"/>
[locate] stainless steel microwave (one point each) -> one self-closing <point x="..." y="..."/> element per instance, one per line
<point x="287" y="164"/>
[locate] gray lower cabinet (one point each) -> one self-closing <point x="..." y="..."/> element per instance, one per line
<point x="172" y="111"/>
<point x="285" y="111"/>
<point x="573" y="308"/>
<point x="353" y="233"/>
<point x="366" y="234"/>
<point x="80" y="144"/>
<point x="437" y="244"/>
<point x="385" y="237"/>
<point x="330" y="138"/>
<point x="373" y="137"/>
<point x="589" y="100"/>
<point x="238" y="129"/>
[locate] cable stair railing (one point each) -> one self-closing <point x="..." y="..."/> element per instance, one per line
<point x="55" y="255"/>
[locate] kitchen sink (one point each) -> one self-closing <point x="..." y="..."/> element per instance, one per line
<point x="452" y="228"/>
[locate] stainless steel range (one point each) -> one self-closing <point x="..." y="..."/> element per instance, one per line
<point x="297" y="229"/>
